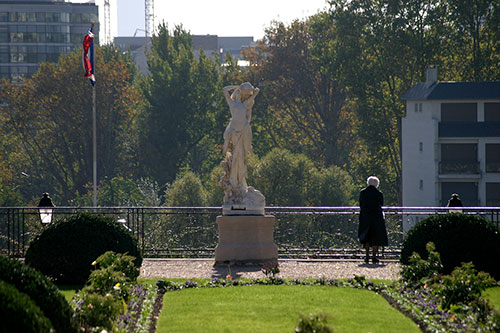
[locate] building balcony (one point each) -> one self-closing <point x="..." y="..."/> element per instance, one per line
<point x="459" y="167"/>
<point x="493" y="167"/>
<point x="463" y="129"/>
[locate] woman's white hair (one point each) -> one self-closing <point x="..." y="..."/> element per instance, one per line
<point x="372" y="180"/>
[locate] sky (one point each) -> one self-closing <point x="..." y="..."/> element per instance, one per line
<point x="215" y="17"/>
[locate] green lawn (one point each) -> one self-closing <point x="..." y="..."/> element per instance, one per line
<point x="276" y="309"/>
<point x="68" y="291"/>
<point x="493" y="296"/>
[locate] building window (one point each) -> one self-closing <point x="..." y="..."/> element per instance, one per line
<point x="421" y="184"/>
<point x="491" y="111"/>
<point x="459" y="112"/>
<point x="493" y="194"/>
<point x="467" y="191"/>
<point x="492" y="157"/>
<point x="459" y="158"/>
<point x="421" y="146"/>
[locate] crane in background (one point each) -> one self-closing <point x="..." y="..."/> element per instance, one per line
<point x="149" y="17"/>
<point x="107" y="23"/>
<point x="148" y="26"/>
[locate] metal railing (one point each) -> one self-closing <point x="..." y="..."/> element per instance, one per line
<point x="459" y="167"/>
<point x="493" y="166"/>
<point x="300" y="232"/>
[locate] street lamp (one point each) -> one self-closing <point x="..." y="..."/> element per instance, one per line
<point x="123" y="222"/>
<point x="45" y="208"/>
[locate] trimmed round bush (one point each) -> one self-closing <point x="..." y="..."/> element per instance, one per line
<point x="458" y="238"/>
<point x="19" y="312"/>
<point x="66" y="249"/>
<point x="41" y="291"/>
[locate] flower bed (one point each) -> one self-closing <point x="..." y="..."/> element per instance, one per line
<point x="421" y="305"/>
<point x="138" y="317"/>
<point x="424" y="308"/>
<point x="434" y="302"/>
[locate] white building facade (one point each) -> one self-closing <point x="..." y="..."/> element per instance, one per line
<point x="451" y="143"/>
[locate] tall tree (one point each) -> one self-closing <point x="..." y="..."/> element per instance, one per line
<point x="50" y="116"/>
<point x="302" y="99"/>
<point x="474" y="50"/>
<point x="388" y="44"/>
<point x="180" y="95"/>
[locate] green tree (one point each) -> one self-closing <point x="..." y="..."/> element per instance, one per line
<point x="387" y="46"/>
<point x="50" y="117"/>
<point x="187" y="191"/>
<point x="473" y="52"/>
<point x="390" y="43"/>
<point x="288" y="179"/>
<point x="119" y="191"/>
<point x="180" y="95"/>
<point x="285" y="179"/>
<point x="11" y="166"/>
<point x="302" y="106"/>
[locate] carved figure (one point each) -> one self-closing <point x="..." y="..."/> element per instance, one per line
<point x="237" y="145"/>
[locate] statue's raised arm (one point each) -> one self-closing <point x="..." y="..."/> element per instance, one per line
<point x="250" y="102"/>
<point x="227" y="89"/>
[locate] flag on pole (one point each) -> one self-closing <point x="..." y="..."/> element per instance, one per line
<point x="88" y="56"/>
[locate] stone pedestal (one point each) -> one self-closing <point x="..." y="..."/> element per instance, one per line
<point x="246" y="239"/>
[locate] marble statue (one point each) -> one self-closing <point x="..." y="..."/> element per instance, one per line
<point x="239" y="198"/>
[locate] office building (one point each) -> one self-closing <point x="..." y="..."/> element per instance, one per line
<point x="37" y="31"/>
<point x="211" y="45"/>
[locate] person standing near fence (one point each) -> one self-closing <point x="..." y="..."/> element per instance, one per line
<point x="372" y="232"/>
<point x="455" y="201"/>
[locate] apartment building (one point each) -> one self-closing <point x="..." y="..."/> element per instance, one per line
<point x="451" y="143"/>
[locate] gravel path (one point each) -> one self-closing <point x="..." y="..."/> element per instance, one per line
<point x="289" y="268"/>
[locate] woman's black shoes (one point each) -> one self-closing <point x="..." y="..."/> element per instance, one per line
<point x="367" y="260"/>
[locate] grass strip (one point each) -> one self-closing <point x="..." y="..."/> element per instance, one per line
<point x="68" y="291"/>
<point x="271" y="308"/>
<point x="493" y="297"/>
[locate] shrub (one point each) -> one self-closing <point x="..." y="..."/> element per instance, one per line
<point x="120" y="263"/>
<point x="419" y="269"/>
<point x="104" y="298"/>
<point x="463" y="285"/>
<point x="42" y="291"/>
<point x="19" y="313"/>
<point x="313" y="323"/>
<point x="186" y="190"/>
<point x="114" y="274"/>
<point x="99" y="310"/>
<point x="66" y="249"/>
<point x="289" y="179"/>
<point x="458" y="238"/>
<point x="104" y="280"/>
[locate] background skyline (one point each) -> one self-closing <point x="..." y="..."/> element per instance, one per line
<point x="208" y="17"/>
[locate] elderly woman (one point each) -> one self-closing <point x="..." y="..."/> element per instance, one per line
<point x="238" y="138"/>
<point x="372" y="232"/>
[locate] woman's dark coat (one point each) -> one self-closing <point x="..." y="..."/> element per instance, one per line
<point x="371" y="219"/>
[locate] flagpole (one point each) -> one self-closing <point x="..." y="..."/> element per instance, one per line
<point x="94" y="134"/>
<point x="88" y="66"/>
<point x="94" y="146"/>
